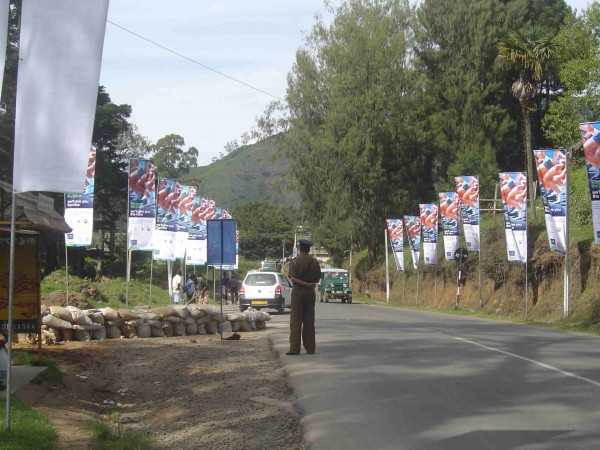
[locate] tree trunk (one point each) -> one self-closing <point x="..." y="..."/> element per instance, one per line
<point x="531" y="172"/>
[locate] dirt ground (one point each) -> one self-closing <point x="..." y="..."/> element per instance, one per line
<point x="189" y="392"/>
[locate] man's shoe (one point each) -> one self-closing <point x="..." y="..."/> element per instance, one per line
<point x="292" y="353"/>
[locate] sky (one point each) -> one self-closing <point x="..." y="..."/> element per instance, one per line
<point x="252" y="40"/>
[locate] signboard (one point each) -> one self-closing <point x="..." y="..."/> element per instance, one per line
<point x="449" y="216"/>
<point x="429" y="227"/>
<point x="26" y="302"/>
<point x="142" y="204"/>
<point x="590" y="136"/>
<point x="221" y="242"/>
<point x="467" y="189"/>
<point x="395" y="231"/>
<point x="79" y="209"/>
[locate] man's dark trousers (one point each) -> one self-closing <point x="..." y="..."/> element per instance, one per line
<point x="302" y="319"/>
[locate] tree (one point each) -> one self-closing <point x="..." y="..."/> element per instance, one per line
<point x="531" y="56"/>
<point x="171" y="159"/>
<point x="352" y="141"/>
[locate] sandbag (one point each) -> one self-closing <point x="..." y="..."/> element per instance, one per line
<point x="232" y="317"/>
<point x="165" y="311"/>
<point x="157" y="332"/>
<point x="65" y="334"/>
<point x="128" y="315"/>
<point x="110" y="314"/>
<point x="61" y="313"/>
<point x="78" y="316"/>
<point x="182" y="311"/>
<point x="96" y="317"/>
<point x="82" y="335"/>
<point x="54" y="322"/>
<point x="191" y="328"/>
<point x="201" y="329"/>
<point x="129" y="329"/>
<point x="154" y="323"/>
<point x="148" y="315"/>
<point x="179" y="329"/>
<point x="196" y="312"/>
<point x="204" y="319"/>
<point x="227" y="327"/>
<point x="211" y="327"/>
<point x="174" y="319"/>
<point x="113" y="332"/>
<point x="143" y="330"/>
<point x="167" y="328"/>
<point x="261" y="325"/>
<point x="244" y="325"/>
<point x="98" y="334"/>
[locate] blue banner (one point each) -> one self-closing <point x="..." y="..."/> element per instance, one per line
<point x="221" y="242"/>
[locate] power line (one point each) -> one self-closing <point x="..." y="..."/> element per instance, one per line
<point x="192" y="60"/>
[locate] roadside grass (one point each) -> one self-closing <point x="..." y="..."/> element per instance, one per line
<point x="30" y="430"/>
<point x="110" y="437"/>
<point x="52" y="374"/>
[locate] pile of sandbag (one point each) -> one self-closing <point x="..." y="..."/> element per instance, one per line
<point x="71" y="323"/>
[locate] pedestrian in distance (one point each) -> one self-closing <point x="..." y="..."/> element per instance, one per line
<point x="190" y="288"/>
<point x="176" y="287"/>
<point x="305" y="273"/>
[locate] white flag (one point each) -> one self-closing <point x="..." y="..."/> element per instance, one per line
<point x="57" y="87"/>
<point x="3" y="37"/>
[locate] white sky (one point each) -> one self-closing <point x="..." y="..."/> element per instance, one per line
<point x="253" y="40"/>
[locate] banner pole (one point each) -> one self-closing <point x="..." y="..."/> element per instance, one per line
<point x="567" y="262"/>
<point x="221" y="287"/>
<point x="151" y="264"/>
<point x="66" y="261"/>
<point x="170" y="278"/>
<point x="435" y="277"/>
<point x="526" y="288"/>
<point x="127" y="277"/>
<point x="418" y="284"/>
<point x="479" y="276"/>
<point x="11" y="292"/>
<point x="128" y="254"/>
<point x="214" y="284"/>
<point x="387" y="270"/>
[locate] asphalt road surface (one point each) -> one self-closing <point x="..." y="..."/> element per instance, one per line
<point x="388" y="378"/>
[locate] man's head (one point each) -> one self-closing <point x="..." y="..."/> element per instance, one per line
<point x="304" y="246"/>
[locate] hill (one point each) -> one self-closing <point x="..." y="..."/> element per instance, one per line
<point x="251" y="173"/>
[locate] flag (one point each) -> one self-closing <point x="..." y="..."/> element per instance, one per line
<point x="141" y="204"/>
<point x="513" y="191"/>
<point x="166" y="219"/>
<point x="413" y="231"/>
<point x="590" y="136"/>
<point x="60" y="56"/>
<point x="429" y="226"/>
<point x="4" y="11"/>
<point x="396" y="238"/>
<point x="196" y="244"/>
<point x="552" y="175"/>
<point x="79" y="209"/>
<point x="467" y="188"/>
<point x="449" y="214"/>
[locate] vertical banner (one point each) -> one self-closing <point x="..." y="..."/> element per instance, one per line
<point x="590" y="134"/>
<point x="183" y="212"/>
<point x="60" y="55"/>
<point x="79" y="209"/>
<point x="429" y="226"/>
<point x="552" y="175"/>
<point x="395" y="230"/>
<point x="221" y="242"/>
<point x="513" y="191"/>
<point x="166" y="219"/>
<point x="4" y="13"/>
<point x="413" y="232"/>
<point x="467" y="188"/>
<point x="142" y="204"/>
<point x="202" y="210"/>
<point x="449" y="216"/>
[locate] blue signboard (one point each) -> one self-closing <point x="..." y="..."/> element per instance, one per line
<point x="221" y="242"/>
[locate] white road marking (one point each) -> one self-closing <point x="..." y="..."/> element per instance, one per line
<point x="532" y="361"/>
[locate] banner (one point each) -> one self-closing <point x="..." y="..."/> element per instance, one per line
<point x="202" y="210"/>
<point x="60" y="54"/>
<point x="449" y="216"/>
<point x="79" y="209"/>
<point x="590" y="134"/>
<point x="467" y="188"/>
<point x="396" y="238"/>
<point x="4" y="14"/>
<point x="413" y="232"/>
<point x="552" y="175"/>
<point x="513" y="191"/>
<point x="429" y="227"/>
<point x="166" y="219"/>
<point x="183" y="211"/>
<point x="142" y="204"/>
<point x="221" y="243"/>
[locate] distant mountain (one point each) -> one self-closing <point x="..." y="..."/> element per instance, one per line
<point x="254" y="172"/>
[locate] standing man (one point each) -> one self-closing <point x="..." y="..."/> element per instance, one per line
<point x="176" y="287"/>
<point x="305" y="274"/>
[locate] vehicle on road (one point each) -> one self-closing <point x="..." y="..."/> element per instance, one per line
<point x="270" y="265"/>
<point x="270" y="290"/>
<point x="335" y="285"/>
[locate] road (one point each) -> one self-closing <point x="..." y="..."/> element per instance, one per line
<point x="388" y="378"/>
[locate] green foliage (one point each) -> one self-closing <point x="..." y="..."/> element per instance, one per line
<point x="30" y="429"/>
<point x="171" y="159"/>
<point x="113" y="437"/>
<point x="264" y="228"/>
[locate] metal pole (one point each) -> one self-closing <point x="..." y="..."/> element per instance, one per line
<point x="128" y="254"/>
<point x="479" y="276"/>
<point x="11" y="291"/>
<point x="350" y="270"/>
<point x="151" y="264"/>
<point x="435" y="277"/>
<point x="214" y="284"/>
<point x="66" y="261"/>
<point x="127" y="277"/>
<point x="387" y="270"/>
<point x="221" y="287"/>
<point x="526" y="288"/>
<point x="567" y="263"/>
<point x="418" y="284"/>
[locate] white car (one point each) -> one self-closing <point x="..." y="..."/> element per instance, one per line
<point x="265" y="290"/>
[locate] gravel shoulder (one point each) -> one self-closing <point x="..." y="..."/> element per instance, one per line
<point x="189" y="392"/>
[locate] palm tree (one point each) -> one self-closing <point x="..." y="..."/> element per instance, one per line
<point x="531" y="58"/>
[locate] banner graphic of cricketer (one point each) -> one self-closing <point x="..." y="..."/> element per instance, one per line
<point x="413" y="231"/>
<point x="467" y="188"/>
<point x="183" y="213"/>
<point x="449" y="216"/>
<point x="142" y="204"/>
<point x="166" y="219"/>
<point x="429" y="228"/>
<point x="590" y="135"/>
<point x="79" y="209"/>
<point x="552" y="175"/>
<point x="203" y="209"/>
<point x="513" y="190"/>
<point x="396" y="238"/>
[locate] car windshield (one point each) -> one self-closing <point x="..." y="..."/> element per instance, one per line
<point x="332" y="276"/>
<point x="261" y="279"/>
